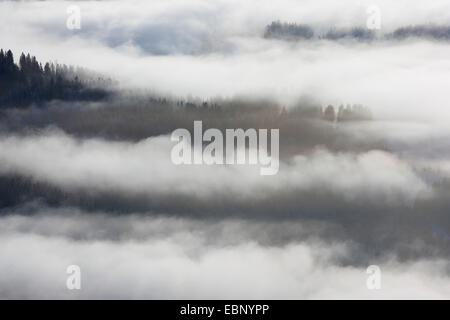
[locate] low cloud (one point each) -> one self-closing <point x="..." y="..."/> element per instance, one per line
<point x="92" y="184"/>
<point x="210" y="49"/>
<point x="175" y="259"/>
<point x="145" y="167"/>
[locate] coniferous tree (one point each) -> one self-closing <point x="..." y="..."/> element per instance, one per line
<point x="29" y="82"/>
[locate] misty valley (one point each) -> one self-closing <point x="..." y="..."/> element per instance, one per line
<point x="224" y="150"/>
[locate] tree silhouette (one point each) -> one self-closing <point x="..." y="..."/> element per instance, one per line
<point x="329" y="113"/>
<point x="29" y="82"/>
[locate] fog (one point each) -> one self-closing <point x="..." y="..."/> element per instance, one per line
<point x="176" y="259"/>
<point x="210" y="49"/>
<point x="92" y="183"/>
<point x="146" y="167"/>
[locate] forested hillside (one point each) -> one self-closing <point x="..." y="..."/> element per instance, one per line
<point x="30" y="82"/>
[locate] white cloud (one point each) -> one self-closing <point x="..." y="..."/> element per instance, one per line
<point x="405" y="79"/>
<point x="145" y="168"/>
<point x="210" y="48"/>
<point x="180" y="262"/>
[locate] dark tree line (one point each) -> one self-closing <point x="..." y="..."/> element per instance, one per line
<point x="28" y="82"/>
<point x="288" y="30"/>
<point x="31" y="82"/>
<point x="422" y="31"/>
<point x="293" y="31"/>
<point x="356" y="112"/>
